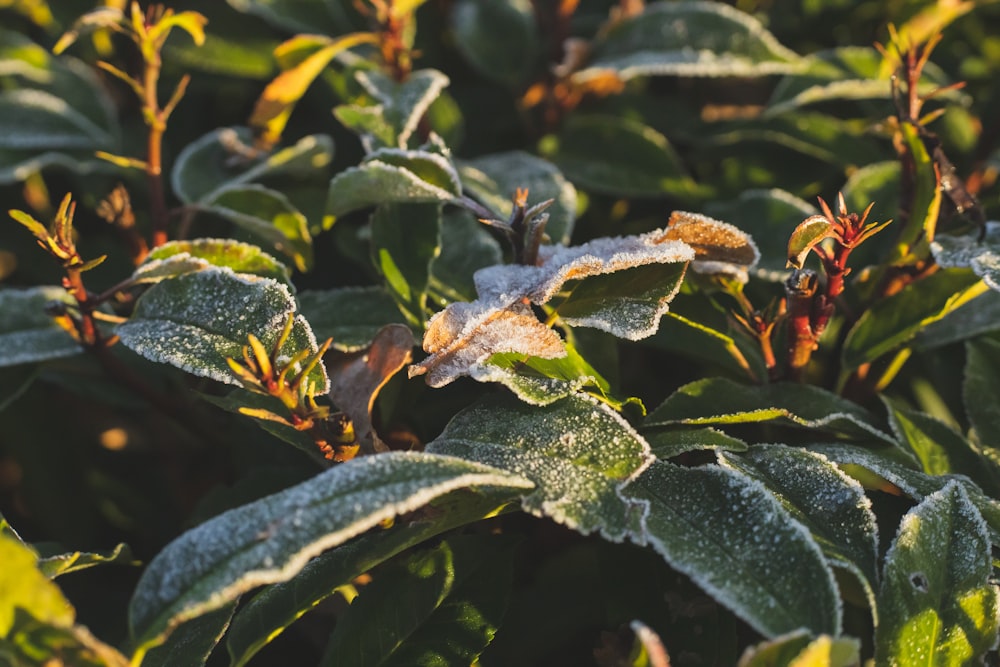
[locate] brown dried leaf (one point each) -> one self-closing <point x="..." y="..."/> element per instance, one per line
<point x="718" y="246"/>
<point x="357" y="377"/>
<point x="464" y="335"/>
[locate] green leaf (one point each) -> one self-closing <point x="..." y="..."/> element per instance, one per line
<point x="799" y="649"/>
<point x="32" y="640"/>
<point x="892" y="322"/>
<point x="272" y="539"/>
<point x="350" y="315"/>
<point x="486" y="29"/>
<point x="27" y="333"/>
<point x="406" y="238"/>
<point x="540" y="381"/>
<point x="924" y="204"/>
<point x="276" y="607"/>
<point x="982" y="380"/>
<point x="767" y="216"/>
<point x="59" y="564"/>
<point x="689" y="39"/>
<point x="300" y="16"/>
<point x="810" y="233"/>
<point x="193" y="642"/>
<point x="818" y="495"/>
<point x="736" y="541"/>
<point x="213" y="162"/>
<point x="440" y="606"/>
<point x="266" y="214"/>
<point x="618" y="156"/>
<point x="40" y="121"/>
<point x="938" y="605"/>
<point x="194" y="322"/>
<point x="398" y="107"/>
<point x="392" y="176"/>
<point x="723" y="401"/>
<point x="892" y="465"/>
<point x="982" y="256"/>
<point x="578" y="452"/>
<point x="492" y="180"/>
<point x="668" y="443"/>
<point x="24" y="586"/>
<point x="939" y="449"/>
<point x="176" y="258"/>
<point x="466" y="247"/>
<point x="962" y="324"/>
<point x="240" y="399"/>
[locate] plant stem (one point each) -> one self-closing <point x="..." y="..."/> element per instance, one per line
<point x="154" y="153"/>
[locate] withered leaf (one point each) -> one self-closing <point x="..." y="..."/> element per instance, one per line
<point x="718" y="246"/>
<point x="357" y="377"/>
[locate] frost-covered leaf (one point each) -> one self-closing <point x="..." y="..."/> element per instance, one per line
<point x="358" y="377"/>
<point x="392" y="176"/>
<point x="962" y="324"/>
<point x="177" y="258"/>
<point x="577" y="451"/>
<point x="690" y="38"/>
<point x="350" y="315"/>
<point x="27" y="333"/>
<point x="266" y="214"/>
<point x="492" y="180"/>
<point x="439" y="606"/>
<point x="272" y="539"/>
<point x="193" y="642"/>
<point x="767" y="216"/>
<point x="464" y="335"/>
<point x="723" y="401"/>
<point x="214" y="161"/>
<point x="895" y="320"/>
<point x="37" y="120"/>
<point x="938" y="604"/>
<point x="670" y="442"/>
<point x="893" y="466"/>
<point x="983" y="257"/>
<point x="818" y="495"/>
<point x="736" y="541"/>
<point x="981" y="380"/>
<point x="74" y="561"/>
<point x="406" y="239"/>
<point x="398" y="107"/>
<point x="273" y="609"/>
<point x="196" y="321"/>
<point x="618" y="156"/>
<point x="800" y="649"/>
<point x="718" y="246"/>
<point x="484" y="31"/>
<point x="939" y="449"/>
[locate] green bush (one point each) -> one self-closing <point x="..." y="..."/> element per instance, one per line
<point x="388" y="404"/>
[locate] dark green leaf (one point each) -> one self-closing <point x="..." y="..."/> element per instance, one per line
<point x="350" y="315"/>
<point x="276" y="607"/>
<point x="668" y="443"/>
<point x="303" y="16"/>
<point x="980" y="386"/>
<point x="939" y="449"/>
<point x="493" y="179"/>
<point x="27" y="333"/>
<point x="272" y="539"/>
<point x="616" y="156"/>
<point x="485" y="32"/>
<point x="392" y="176"/>
<point x="406" y="238"/>
<point x="937" y="604"/>
<point x="962" y="324"/>
<point x="736" y="541"/>
<point x="193" y="641"/>
<point x="892" y="322"/>
<point x="823" y="499"/>
<point x="64" y="563"/>
<point x="269" y="215"/>
<point x="799" y="649"/>
<point x="177" y="258"/>
<point x="40" y="121"/>
<point x="578" y="452"/>
<point x="689" y="39"/>
<point x="196" y="321"/>
<point x="723" y="401"/>
<point x="440" y="606"/>
<point x="466" y="247"/>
